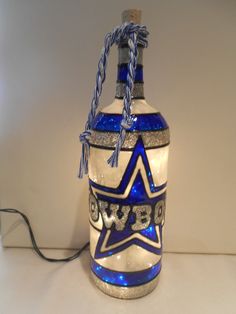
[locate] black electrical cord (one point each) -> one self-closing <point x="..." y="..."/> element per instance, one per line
<point x="35" y="246"/>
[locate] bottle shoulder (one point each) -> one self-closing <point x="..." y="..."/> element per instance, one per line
<point x="138" y="106"/>
<point x="144" y="116"/>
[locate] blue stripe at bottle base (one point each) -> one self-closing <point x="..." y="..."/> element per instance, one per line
<point x="108" y="122"/>
<point x="125" y="279"/>
<point x="123" y="72"/>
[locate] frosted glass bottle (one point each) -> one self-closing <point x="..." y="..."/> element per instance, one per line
<point x="127" y="204"/>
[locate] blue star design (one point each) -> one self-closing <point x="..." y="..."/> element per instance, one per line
<point x="137" y="196"/>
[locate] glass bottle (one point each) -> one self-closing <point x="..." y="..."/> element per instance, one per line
<point x="127" y="203"/>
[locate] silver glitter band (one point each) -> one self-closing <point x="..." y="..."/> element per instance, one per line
<point x="150" y="139"/>
<point x="138" y="91"/>
<point x="125" y="292"/>
<point x="124" y="55"/>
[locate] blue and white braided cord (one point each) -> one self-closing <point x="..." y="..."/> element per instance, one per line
<point x="135" y="34"/>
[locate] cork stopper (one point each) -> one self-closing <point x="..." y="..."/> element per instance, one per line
<point x="132" y="15"/>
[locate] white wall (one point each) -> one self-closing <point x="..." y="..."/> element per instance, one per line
<point x="50" y="50"/>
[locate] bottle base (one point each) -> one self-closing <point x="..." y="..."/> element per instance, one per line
<point x="125" y="292"/>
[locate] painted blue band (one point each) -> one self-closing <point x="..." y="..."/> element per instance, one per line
<point x="123" y="72"/>
<point x="125" y="279"/>
<point x="142" y="122"/>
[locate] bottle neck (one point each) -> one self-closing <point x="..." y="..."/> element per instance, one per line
<point x="138" y="92"/>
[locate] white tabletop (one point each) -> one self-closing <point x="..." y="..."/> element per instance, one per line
<point x="189" y="283"/>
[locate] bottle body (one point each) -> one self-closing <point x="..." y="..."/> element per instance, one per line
<point x="127" y="203"/>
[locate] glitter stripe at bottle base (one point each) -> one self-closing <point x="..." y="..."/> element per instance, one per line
<point x="125" y="292"/>
<point x="125" y="279"/>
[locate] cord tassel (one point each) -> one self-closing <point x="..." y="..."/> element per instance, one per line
<point x="84" y="139"/>
<point x="135" y="34"/>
